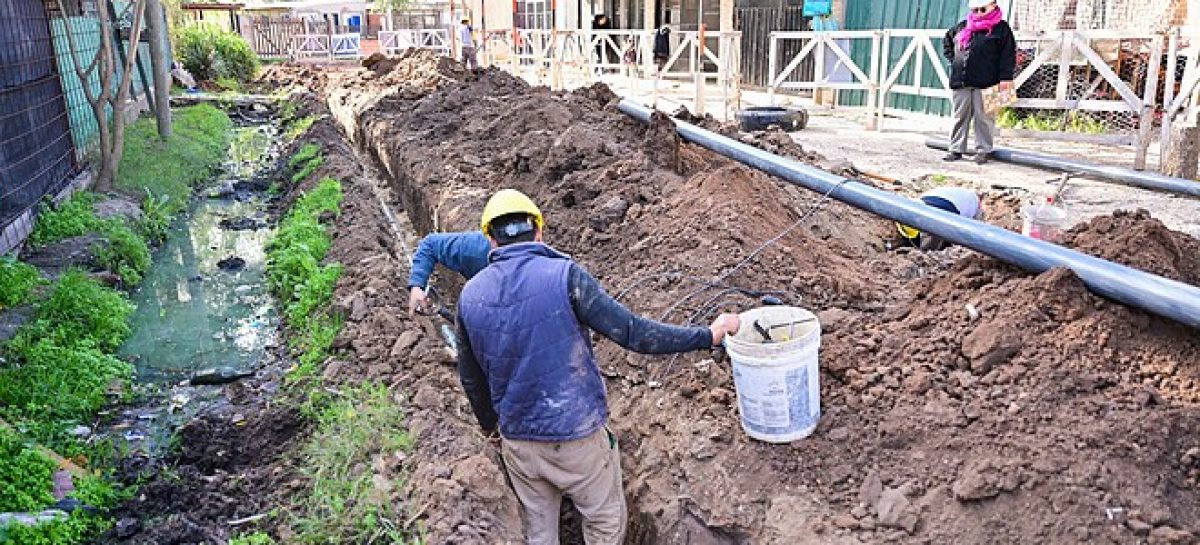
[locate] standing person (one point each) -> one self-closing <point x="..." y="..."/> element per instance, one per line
<point x="983" y="54"/>
<point x="956" y="200"/>
<point x="468" y="44"/>
<point x="601" y="22"/>
<point x="464" y="253"/>
<point x="527" y="365"/>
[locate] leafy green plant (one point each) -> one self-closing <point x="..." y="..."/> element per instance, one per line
<point x="305" y="286"/>
<point x="305" y="161"/>
<point x="343" y="503"/>
<point x="257" y="538"/>
<point x="81" y="526"/>
<point x="209" y="53"/>
<point x="228" y="85"/>
<point x="54" y="382"/>
<point x="170" y="169"/>
<point x="1008" y="119"/>
<point x="71" y="218"/>
<point x="156" y="218"/>
<point x="81" y="312"/>
<point x="1087" y="124"/>
<point x="24" y="475"/>
<point x="16" y="281"/>
<point x="123" y="252"/>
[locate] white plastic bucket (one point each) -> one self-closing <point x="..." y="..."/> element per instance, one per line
<point x="778" y="383"/>
<point x="1043" y="222"/>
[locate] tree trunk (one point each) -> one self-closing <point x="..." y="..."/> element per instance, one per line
<point x="1183" y="156"/>
<point x="160" y="65"/>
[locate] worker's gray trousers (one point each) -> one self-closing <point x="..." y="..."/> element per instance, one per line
<point x="968" y="107"/>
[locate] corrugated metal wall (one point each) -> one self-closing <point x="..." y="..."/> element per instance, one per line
<point x="86" y="30"/>
<point x="875" y="15"/>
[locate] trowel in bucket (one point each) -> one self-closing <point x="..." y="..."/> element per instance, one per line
<point x="765" y="332"/>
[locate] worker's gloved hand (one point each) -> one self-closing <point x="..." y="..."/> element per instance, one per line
<point x="725" y="324"/>
<point x="417" y="300"/>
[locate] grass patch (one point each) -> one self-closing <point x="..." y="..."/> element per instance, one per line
<point x="306" y="161"/>
<point x="25" y="485"/>
<point x="17" y="280"/>
<point x="344" y="504"/>
<point x="70" y="218"/>
<point x="257" y="538"/>
<point x="58" y="372"/>
<point x="296" y="128"/>
<point x="80" y="312"/>
<point x="170" y="169"/>
<point x="1075" y="122"/>
<point x="24" y="475"/>
<point x="302" y="283"/>
<point x="124" y="252"/>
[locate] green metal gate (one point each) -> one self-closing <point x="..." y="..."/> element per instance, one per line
<point x="876" y="15"/>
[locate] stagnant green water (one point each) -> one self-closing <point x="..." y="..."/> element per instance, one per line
<point x="192" y="315"/>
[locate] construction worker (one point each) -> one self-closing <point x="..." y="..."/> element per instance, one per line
<point x="956" y="200"/>
<point x="464" y="253"/>
<point x="468" y="44"/>
<point x="527" y="364"/>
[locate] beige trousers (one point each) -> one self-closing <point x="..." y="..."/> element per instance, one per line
<point x="586" y="470"/>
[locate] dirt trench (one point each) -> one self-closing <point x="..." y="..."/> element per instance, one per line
<point x="963" y="401"/>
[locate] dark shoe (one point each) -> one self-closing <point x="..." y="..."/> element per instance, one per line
<point x="952" y="156"/>
<point x="982" y="158"/>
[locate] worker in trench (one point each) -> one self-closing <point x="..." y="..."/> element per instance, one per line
<point x="528" y="367"/>
<point x="465" y="253"/>
<point x="983" y="54"/>
<point x="955" y="200"/>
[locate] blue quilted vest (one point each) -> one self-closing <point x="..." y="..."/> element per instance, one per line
<point x="538" y="358"/>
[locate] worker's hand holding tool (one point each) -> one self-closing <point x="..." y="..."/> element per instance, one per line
<point x="725" y="324"/>
<point x="417" y="300"/>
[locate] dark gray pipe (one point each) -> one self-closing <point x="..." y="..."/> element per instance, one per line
<point x="1147" y="180"/>
<point x="1154" y="294"/>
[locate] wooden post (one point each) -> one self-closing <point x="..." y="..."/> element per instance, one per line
<point x="1146" y="122"/>
<point x="1164" y="139"/>
<point x="1183" y="155"/>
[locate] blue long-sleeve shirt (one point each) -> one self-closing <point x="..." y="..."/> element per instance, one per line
<point x="463" y="253"/>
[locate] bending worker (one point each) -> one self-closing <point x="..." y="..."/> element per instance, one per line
<point x="463" y="253"/>
<point x="528" y="367"/>
<point x="956" y="200"/>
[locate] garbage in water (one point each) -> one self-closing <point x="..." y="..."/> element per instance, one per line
<point x="231" y="263"/>
<point x="775" y="373"/>
<point x="219" y="375"/>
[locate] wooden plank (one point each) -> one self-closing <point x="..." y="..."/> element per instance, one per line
<point x="1122" y="88"/>
<point x="1086" y="105"/>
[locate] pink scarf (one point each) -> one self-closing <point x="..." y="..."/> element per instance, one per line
<point x="976" y="23"/>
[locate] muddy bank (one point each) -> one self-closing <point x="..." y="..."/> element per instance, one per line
<point x="964" y="401"/>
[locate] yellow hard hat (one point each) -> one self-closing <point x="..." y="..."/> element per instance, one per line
<point x="509" y="201"/>
<point x="907" y="232"/>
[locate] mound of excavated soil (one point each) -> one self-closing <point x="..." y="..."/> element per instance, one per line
<point x="968" y="404"/>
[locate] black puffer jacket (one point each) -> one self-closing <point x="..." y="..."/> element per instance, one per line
<point x="989" y="60"/>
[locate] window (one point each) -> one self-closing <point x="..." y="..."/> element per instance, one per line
<point x="532" y="14"/>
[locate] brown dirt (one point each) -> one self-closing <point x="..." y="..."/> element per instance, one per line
<point x="1053" y="416"/>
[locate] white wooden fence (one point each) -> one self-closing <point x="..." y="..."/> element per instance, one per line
<point x="833" y="54"/>
<point x="395" y="41"/>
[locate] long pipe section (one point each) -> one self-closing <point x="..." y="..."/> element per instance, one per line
<point x="1151" y="293"/>
<point x="1147" y="180"/>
